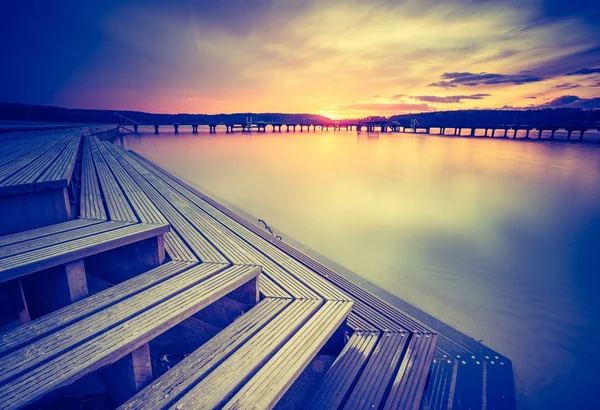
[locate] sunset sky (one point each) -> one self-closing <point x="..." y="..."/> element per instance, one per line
<point x="339" y="58"/>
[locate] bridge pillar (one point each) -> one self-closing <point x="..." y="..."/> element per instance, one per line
<point x="135" y="128"/>
<point x="155" y="128"/>
<point x="472" y="134"/>
<point x="581" y="135"/>
<point x="552" y="135"/>
<point x="194" y="129"/>
<point x="527" y="134"/>
<point x="176" y="126"/>
<point x="505" y="132"/>
<point x="569" y="132"/>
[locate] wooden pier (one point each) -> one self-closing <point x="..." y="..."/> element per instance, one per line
<point x="143" y="255"/>
<point x="574" y="132"/>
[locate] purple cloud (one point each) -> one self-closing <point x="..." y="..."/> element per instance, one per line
<point x="572" y="101"/>
<point x="567" y="86"/>
<point x="586" y="71"/>
<point x="450" y="98"/>
<point x="451" y="80"/>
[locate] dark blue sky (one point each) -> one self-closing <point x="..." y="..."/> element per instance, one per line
<point x="335" y="58"/>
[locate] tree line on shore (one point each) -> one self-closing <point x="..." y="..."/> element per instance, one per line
<point x="548" y="116"/>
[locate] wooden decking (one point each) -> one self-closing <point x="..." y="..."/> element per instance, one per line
<point x="388" y="357"/>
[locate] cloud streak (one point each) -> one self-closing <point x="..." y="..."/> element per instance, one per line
<point x="586" y="71"/>
<point x="450" y="98"/>
<point x="452" y="80"/>
<point x="571" y="101"/>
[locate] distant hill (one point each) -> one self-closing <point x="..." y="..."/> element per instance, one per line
<point x="549" y="116"/>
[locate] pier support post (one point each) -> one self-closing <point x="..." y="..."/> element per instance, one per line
<point x="505" y="132"/>
<point x="527" y="134"/>
<point x="156" y="129"/>
<point x="581" y="135"/>
<point x="135" y="128"/>
<point x="176" y="126"/>
<point x="54" y="288"/>
<point x="194" y="129"/>
<point x="569" y="132"/>
<point x="552" y="135"/>
<point x="472" y="134"/>
<point x="124" y="378"/>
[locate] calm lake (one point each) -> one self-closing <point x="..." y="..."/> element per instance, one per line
<point x="500" y="239"/>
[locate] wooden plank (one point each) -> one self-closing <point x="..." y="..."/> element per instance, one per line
<point x="29" y="154"/>
<point x="173" y="384"/>
<point x="61" y="341"/>
<point x="29" y="262"/>
<point x="45" y="231"/>
<point x="92" y="207"/>
<point x="272" y="381"/>
<point x="58" y="238"/>
<point x="221" y="384"/>
<point x="270" y="289"/>
<point x="89" y="178"/>
<point x="177" y="249"/>
<point x="407" y="387"/>
<point x="55" y="321"/>
<point x="28" y="169"/>
<point x="335" y="386"/>
<point x="60" y="171"/>
<point x="359" y="324"/>
<point x="21" y="389"/>
<point x="378" y="373"/>
<point x="117" y="204"/>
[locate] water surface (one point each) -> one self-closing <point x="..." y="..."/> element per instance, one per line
<point x="500" y="239"/>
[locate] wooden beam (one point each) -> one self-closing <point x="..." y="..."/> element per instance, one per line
<point x="54" y="288"/>
<point x="124" y="378"/>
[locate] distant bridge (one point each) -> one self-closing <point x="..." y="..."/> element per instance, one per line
<point x="383" y="125"/>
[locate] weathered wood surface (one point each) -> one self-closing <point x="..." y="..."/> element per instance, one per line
<point x="105" y="337"/>
<point x="35" y="258"/>
<point x="90" y="197"/>
<point x="273" y="379"/>
<point x="48" y="165"/>
<point x="170" y="387"/>
<point x="45" y="325"/>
